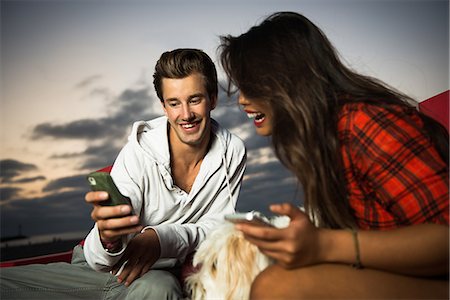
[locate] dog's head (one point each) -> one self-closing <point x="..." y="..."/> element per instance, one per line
<point x="227" y="266"/>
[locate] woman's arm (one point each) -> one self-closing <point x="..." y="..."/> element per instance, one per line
<point x="419" y="250"/>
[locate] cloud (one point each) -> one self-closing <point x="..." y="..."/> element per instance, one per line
<point x="100" y="156"/>
<point x="66" y="155"/>
<point x="88" y="81"/>
<point x="11" y="168"/>
<point x="77" y="182"/>
<point x="268" y="183"/>
<point x="8" y="193"/>
<point x="80" y="129"/>
<point x="52" y="214"/>
<point x="29" y="179"/>
<point x="95" y="157"/>
<point x="130" y="105"/>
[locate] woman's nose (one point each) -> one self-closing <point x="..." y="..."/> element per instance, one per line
<point x="242" y="100"/>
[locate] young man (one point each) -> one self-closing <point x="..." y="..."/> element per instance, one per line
<point x="182" y="173"/>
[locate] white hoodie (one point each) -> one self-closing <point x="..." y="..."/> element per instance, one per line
<point x="181" y="220"/>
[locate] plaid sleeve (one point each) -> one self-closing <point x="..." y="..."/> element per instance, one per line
<point x="397" y="167"/>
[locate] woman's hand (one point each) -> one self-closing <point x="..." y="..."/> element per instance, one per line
<point x="292" y="247"/>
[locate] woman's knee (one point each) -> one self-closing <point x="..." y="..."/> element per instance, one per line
<point x="272" y="283"/>
<point x="278" y="283"/>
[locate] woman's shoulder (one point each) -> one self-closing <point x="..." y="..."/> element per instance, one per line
<point x="367" y="115"/>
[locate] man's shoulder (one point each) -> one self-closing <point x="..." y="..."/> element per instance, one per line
<point x="153" y="126"/>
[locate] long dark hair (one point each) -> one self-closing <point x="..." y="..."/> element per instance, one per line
<point x="288" y="63"/>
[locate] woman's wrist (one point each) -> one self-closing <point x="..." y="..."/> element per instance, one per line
<point x="336" y="246"/>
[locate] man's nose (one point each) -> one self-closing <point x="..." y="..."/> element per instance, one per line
<point x="186" y="113"/>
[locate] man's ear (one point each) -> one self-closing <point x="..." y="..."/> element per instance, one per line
<point x="213" y="101"/>
<point x="163" y="107"/>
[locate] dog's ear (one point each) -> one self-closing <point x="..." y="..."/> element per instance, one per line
<point x="236" y="264"/>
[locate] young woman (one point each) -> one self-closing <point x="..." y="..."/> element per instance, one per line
<point x="373" y="169"/>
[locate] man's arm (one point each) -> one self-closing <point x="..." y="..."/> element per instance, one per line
<point x="114" y="225"/>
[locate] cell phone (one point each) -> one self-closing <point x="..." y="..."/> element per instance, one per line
<point x="102" y="181"/>
<point x="252" y="217"/>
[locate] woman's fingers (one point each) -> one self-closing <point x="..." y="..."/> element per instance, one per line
<point x="260" y="232"/>
<point x="287" y="209"/>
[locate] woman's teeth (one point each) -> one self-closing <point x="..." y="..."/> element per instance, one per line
<point x="257" y="116"/>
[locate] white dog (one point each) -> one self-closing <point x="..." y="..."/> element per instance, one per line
<point x="227" y="264"/>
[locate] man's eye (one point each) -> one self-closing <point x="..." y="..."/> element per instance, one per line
<point x="173" y="104"/>
<point x="195" y="100"/>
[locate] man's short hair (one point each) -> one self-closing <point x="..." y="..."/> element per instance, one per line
<point x="180" y="63"/>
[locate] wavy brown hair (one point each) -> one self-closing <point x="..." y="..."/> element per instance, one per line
<point x="182" y="62"/>
<point x="288" y="63"/>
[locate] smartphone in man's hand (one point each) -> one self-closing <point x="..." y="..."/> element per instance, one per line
<point x="102" y="181"/>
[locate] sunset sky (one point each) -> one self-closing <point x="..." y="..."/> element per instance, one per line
<point x="76" y="74"/>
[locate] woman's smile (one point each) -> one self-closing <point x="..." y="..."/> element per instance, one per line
<point x="258" y="117"/>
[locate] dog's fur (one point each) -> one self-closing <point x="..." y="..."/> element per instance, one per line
<point x="227" y="264"/>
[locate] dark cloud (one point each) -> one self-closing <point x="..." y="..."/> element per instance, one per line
<point x="229" y="116"/>
<point x="95" y="157"/>
<point x="77" y="182"/>
<point x="8" y="193"/>
<point x="80" y="129"/>
<point x="66" y="155"/>
<point x="98" y="157"/>
<point x="10" y="168"/>
<point x="56" y="213"/>
<point x="267" y="184"/>
<point x="134" y="105"/>
<point x="29" y="179"/>
<point x="131" y="105"/>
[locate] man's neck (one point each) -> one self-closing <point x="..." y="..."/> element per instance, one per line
<point x="188" y="155"/>
<point x="185" y="160"/>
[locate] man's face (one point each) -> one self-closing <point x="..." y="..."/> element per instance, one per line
<point x="188" y="106"/>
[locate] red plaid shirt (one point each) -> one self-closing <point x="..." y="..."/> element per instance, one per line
<point x="394" y="174"/>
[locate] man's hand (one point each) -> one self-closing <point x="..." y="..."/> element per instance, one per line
<point x="140" y="255"/>
<point x="112" y="221"/>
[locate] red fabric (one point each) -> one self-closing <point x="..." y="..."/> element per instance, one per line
<point x="437" y="107"/>
<point x="395" y="176"/>
<point x="45" y="259"/>
<point x="105" y="169"/>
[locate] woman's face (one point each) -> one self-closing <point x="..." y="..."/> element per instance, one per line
<point x="259" y="112"/>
